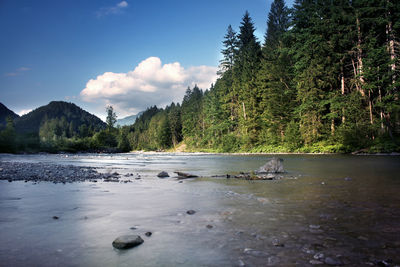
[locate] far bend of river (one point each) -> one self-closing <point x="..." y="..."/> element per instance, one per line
<point x="333" y="209"/>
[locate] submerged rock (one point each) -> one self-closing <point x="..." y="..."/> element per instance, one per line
<point x="183" y="175"/>
<point x="163" y="174"/>
<point x="127" y="241"/>
<point x="273" y="166"/>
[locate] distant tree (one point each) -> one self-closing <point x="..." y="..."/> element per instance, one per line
<point x="111" y="117"/>
<point x="8" y="137"/>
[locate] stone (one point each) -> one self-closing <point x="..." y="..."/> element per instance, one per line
<point x="191" y="212"/>
<point x="332" y="261"/>
<point x="148" y="234"/>
<point x="273" y="166"/>
<point x="209" y="226"/>
<point x="127" y="241"/>
<point x="163" y="174"/>
<point x="55" y="217"/>
<point x="277" y="243"/>
<point x="316" y="262"/>
<point x="318" y="256"/>
<point x="183" y="175"/>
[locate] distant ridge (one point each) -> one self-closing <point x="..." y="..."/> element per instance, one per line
<point x="129" y="120"/>
<point x="31" y="122"/>
<point x="6" y="112"/>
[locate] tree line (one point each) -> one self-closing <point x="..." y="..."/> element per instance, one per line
<point x="325" y="79"/>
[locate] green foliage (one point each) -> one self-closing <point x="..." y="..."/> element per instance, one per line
<point x="8" y="137"/>
<point x="111" y="117"/>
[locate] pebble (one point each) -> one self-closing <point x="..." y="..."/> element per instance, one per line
<point x="277" y="243"/>
<point x="332" y="261"/>
<point x="316" y="262"/>
<point x="209" y="226"/>
<point x="148" y="234"/>
<point x="191" y="212"/>
<point x="55" y="217"/>
<point x="319" y="256"/>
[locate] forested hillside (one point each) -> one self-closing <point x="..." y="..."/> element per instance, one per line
<point x="324" y="79"/>
<point x="4" y="114"/>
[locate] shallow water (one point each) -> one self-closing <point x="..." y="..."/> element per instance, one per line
<point x="344" y="207"/>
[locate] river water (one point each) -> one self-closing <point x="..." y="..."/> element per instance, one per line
<point x="333" y="209"/>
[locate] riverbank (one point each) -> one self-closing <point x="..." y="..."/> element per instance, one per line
<point x="43" y="172"/>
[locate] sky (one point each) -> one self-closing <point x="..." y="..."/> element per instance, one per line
<point x="130" y="54"/>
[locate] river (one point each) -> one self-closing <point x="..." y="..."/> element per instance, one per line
<point x="326" y="209"/>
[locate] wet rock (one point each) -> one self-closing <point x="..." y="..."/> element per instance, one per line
<point x="316" y="262"/>
<point x="55" y="217"/>
<point x="319" y="256"/>
<point x="163" y="174"/>
<point x="314" y="226"/>
<point x="275" y="165"/>
<point x="127" y="241"/>
<point x="183" y="175"/>
<point x="148" y="234"/>
<point x="190" y="212"/>
<point x="277" y="243"/>
<point x="384" y="263"/>
<point x="254" y="252"/>
<point x="333" y="261"/>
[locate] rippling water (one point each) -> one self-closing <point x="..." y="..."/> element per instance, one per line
<point x="346" y="208"/>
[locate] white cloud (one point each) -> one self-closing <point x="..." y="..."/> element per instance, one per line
<point x="24" y="111"/>
<point x="150" y="83"/>
<point x="104" y="11"/>
<point x="23" y="69"/>
<point x="16" y="72"/>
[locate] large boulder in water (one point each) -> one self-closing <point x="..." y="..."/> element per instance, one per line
<point x="127" y="241"/>
<point x="275" y="165"/>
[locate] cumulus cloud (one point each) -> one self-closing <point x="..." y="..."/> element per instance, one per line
<point x="104" y="11"/>
<point x="150" y="83"/>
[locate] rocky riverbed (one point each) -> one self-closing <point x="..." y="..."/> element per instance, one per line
<point x="36" y="172"/>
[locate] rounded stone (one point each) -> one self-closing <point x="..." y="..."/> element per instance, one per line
<point x="127" y="241"/>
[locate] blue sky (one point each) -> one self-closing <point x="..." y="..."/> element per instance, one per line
<point x="129" y="54"/>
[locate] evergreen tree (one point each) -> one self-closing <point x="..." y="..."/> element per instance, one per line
<point x="230" y="50"/>
<point x="278" y="23"/>
<point x="244" y="80"/>
<point x="111" y="117"/>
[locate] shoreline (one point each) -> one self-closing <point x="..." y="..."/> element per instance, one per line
<point x="259" y="153"/>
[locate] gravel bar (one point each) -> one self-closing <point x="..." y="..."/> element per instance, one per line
<point x="36" y="172"/>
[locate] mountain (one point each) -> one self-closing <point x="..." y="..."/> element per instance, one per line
<point x="31" y="122"/>
<point x="4" y="113"/>
<point x="128" y="120"/>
